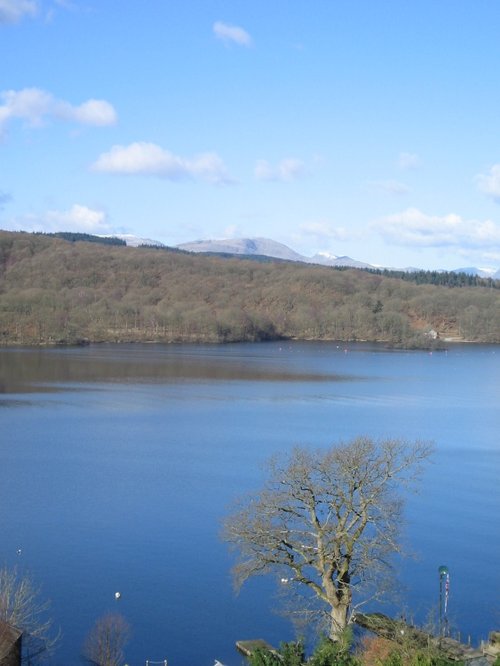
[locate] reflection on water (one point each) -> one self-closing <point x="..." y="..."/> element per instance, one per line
<point x="118" y="464"/>
<point x="32" y="370"/>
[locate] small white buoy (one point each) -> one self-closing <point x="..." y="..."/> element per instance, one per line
<point x="117" y="595"/>
<point x="19" y="551"/>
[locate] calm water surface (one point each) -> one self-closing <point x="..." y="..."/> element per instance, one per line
<point x="118" y="463"/>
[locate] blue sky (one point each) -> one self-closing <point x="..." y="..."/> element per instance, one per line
<point x="368" y="128"/>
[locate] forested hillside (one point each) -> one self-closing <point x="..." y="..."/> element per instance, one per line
<point x="56" y="291"/>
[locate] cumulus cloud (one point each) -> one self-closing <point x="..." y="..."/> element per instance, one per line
<point x="13" y="11"/>
<point x="415" y="228"/>
<point x="35" y="106"/>
<point x="287" y="169"/>
<point x="96" y="112"/>
<point x="231" y="34"/>
<point x="490" y="183"/>
<point x="151" y="160"/>
<point x="30" y="104"/>
<point x="77" y="218"/>
<point x="408" y="161"/>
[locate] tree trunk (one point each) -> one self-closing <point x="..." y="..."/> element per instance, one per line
<point x="338" y="620"/>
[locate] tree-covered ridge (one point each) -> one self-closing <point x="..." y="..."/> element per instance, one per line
<point x="75" y="236"/>
<point x="444" y="278"/>
<point x="52" y="290"/>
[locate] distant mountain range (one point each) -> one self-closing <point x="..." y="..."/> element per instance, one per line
<point x="136" y="241"/>
<point x="481" y="272"/>
<point x="266" y="247"/>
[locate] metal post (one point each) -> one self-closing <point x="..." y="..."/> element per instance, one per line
<point x="443" y="572"/>
<point x="440" y="605"/>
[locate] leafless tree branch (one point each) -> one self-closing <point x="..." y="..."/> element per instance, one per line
<point x="328" y="521"/>
<point x="106" y="641"/>
<point x="22" y="609"/>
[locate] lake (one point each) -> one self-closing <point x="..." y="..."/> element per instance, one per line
<point x="119" y="462"/>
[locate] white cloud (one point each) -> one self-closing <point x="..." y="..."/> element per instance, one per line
<point x="143" y="158"/>
<point x="96" y="112"/>
<point x="151" y="160"/>
<point x="12" y="11"/>
<point x="414" y="228"/>
<point x="231" y="34"/>
<point x="288" y="169"/>
<point x="77" y="218"/>
<point x="30" y="104"/>
<point x="493" y="257"/>
<point x="490" y="183"/>
<point x="209" y="167"/>
<point x="232" y="231"/>
<point x="408" y="161"/>
<point x="389" y="186"/>
<point x="34" y="106"/>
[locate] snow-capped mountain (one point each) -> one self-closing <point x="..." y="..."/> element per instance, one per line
<point x="326" y="259"/>
<point x="268" y="248"/>
<point x="136" y="241"/>
<point x="248" y="246"/>
<point x="480" y="272"/>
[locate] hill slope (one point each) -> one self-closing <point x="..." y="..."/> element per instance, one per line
<point x="53" y="290"/>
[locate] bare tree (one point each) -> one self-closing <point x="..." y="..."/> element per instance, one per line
<point x="10" y="644"/>
<point x="22" y="609"/>
<point x="106" y="641"/>
<point x="327" y="522"/>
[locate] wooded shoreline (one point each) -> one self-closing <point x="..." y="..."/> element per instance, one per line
<point x="54" y="291"/>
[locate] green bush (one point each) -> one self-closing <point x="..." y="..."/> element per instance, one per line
<point x="330" y="653"/>
<point x="289" y="654"/>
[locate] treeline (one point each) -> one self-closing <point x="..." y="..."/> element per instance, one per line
<point x="55" y="291"/>
<point x="74" y="236"/>
<point x="443" y="278"/>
